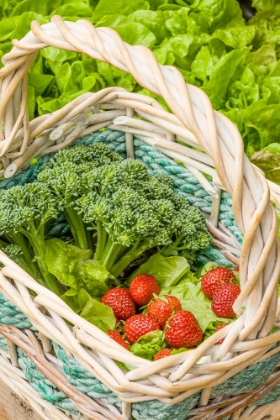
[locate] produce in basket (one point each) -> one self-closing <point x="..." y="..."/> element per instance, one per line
<point x="117" y="214"/>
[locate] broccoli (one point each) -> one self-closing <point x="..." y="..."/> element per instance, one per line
<point x="63" y="175"/>
<point x="24" y="212"/>
<point x="132" y="212"/>
<point x="113" y="207"/>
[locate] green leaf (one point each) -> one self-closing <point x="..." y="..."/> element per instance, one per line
<point x="62" y="260"/>
<point x="154" y="21"/>
<point x="149" y="345"/>
<point x="273" y="148"/>
<point x="92" y="276"/>
<point x="193" y="300"/>
<point x="178" y="351"/>
<point x="236" y="37"/>
<point x="204" y="269"/>
<point x="40" y="82"/>
<point x="202" y="65"/>
<point x="95" y="312"/>
<point x="222" y="75"/>
<point x="167" y="270"/>
<point x="269" y="163"/>
<point x="122" y="7"/>
<point x="265" y="4"/>
<point x="41" y="7"/>
<point x="136" y="34"/>
<point x="56" y="54"/>
<point x="73" y="8"/>
<point x="219" y="13"/>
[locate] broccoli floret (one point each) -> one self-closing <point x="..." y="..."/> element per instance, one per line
<point x="131" y="211"/>
<point x="65" y="183"/>
<point x="68" y="176"/>
<point x="24" y="212"/>
<point x="96" y="154"/>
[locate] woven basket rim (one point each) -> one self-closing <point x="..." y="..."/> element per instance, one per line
<point x="195" y="121"/>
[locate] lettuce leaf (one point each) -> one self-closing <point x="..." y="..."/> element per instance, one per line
<point x="235" y="62"/>
<point x="193" y="300"/>
<point x="167" y="270"/>
<point x="149" y="345"/>
<point x="175" y="278"/>
<point x="85" y="279"/>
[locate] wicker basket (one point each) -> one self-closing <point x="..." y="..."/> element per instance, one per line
<point x="65" y="371"/>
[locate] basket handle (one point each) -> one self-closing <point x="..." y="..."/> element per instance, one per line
<point x="217" y="136"/>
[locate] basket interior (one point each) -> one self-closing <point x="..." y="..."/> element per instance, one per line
<point x="157" y="163"/>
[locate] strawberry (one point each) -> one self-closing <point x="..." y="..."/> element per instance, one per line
<point x="218" y="328"/>
<point x="142" y="289"/>
<point x="236" y="269"/>
<point x="118" y="338"/>
<point x="139" y="325"/>
<point x="223" y="299"/>
<point x="183" y="330"/>
<point x="161" y="310"/>
<point x="213" y="278"/>
<point x="163" y="353"/>
<point x="120" y="301"/>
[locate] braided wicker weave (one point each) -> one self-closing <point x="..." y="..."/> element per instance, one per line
<point x="83" y="376"/>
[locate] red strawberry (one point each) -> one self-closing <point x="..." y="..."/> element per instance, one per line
<point x="139" y="325"/>
<point x="236" y="269"/>
<point x="142" y="289"/>
<point x="163" y="353"/>
<point x="183" y="330"/>
<point x="213" y="278"/>
<point x="118" y="338"/>
<point x="218" y="328"/>
<point x="161" y="310"/>
<point x="223" y="299"/>
<point x="120" y="301"/>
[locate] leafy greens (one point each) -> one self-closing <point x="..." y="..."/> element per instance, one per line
<point x="234" y="62"/>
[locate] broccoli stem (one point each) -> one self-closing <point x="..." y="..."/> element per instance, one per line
<point x="101" y="242"/>
<point x="110" y="254"/>
<point x="37" y="242"/>
<point x="26" y="262"/>
<point x="168" y="250"/>
<point x="81" y="236"/>
<point x="132" y="254"/>
<point x="18" y="239"/>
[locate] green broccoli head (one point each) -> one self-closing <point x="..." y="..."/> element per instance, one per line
<point x="26" y="207"/>
<point x="97" y="154"/>
<point x="14" y="252"/>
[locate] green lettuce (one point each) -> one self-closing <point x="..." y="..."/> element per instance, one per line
<point x="149" y="345"/>
<point x="233" y="61"/>
<point x="176" y="279"/>
<point x="85" y="279"/>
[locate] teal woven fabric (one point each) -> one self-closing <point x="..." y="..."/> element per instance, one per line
<point x="86" y="383"/>
<point x="3" y="343"/>
<point x="270" y="397"/>
<point x="46" y="389"/>
<point x="10" y="314"/>
<point x="249" y="378"/>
